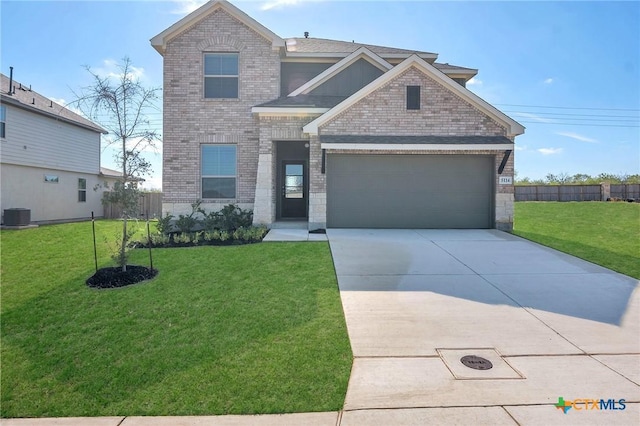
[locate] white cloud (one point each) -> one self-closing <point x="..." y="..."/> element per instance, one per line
<point x="59" y="101"/>
<point x="533" y="117"/>
<point x="185" y="7"/>
<point x="520" y="148"/>
<point x="550" y="151"/>
<point x="153" y="182"/>
<point x="577" y="137"/>
<point x="474" y="82"/>
<point x="548" y="81"/>
<point x="278" y="4"/>
<point x="72" y="108"/>
<point x="110" y="69"/>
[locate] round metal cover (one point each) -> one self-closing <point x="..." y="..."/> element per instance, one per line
<point x="476" y="362"/>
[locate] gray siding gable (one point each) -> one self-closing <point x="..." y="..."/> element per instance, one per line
<point x="350" y="80"/>
<point x="295" y="74"/>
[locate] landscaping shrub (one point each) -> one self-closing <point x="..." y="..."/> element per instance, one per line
<point x="230" y="225"/>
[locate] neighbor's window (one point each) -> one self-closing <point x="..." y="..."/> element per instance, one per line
<point x="221" y="75"/>
<point x="82" y="190"/>
<point x="218" y="171"/>
<point x="3" y="119"/>
<point x="413" y="97"/>
<point x="51" y="179"/>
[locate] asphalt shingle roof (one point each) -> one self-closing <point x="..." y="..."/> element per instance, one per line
<point x="29" y="99"/>
<point x="322" y="45"/>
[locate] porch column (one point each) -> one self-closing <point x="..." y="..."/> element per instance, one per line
<point x="263" y="212"/>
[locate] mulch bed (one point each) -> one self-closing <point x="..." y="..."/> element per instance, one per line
<point x="113" y="277"/>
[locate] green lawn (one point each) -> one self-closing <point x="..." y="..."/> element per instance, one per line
<point x="239" y="329"/>
<point x="604" y="233"/>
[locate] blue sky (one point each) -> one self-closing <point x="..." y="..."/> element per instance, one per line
<point x="569" y="71"/>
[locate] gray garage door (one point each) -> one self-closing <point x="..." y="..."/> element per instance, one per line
<point x="409" y="191"/>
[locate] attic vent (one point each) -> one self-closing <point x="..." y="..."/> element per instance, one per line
<point x="306" y="34"/>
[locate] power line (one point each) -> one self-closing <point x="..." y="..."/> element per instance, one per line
<point x="579" y="124"/>
<point x="565" y="107"/>
<point x="634" y="117"/>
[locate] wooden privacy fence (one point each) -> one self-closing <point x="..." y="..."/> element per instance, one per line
<point x="149" y="202"/>
<point x="577" y="192"/>
<point x="626" y="191"/>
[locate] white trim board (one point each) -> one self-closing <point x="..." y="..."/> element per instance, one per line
<point x="415" y="147"/>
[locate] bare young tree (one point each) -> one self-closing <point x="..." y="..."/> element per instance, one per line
<point x="120" y="103"/>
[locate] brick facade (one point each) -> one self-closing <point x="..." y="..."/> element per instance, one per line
<point x="384" y="112"/>
<point x="190" y="120"/>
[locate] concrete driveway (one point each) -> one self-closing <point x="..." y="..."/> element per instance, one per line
<point x="552" y="326"/>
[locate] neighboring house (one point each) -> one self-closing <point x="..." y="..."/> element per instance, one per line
<point x="50" y="157"/>
<point x="335" y="133"/>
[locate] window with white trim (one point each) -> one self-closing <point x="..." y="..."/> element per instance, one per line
<point x="220" y="75"/>
<point x="218" y="171"/>
<point x="3" y="120"/>
<point x="82" y="190"/>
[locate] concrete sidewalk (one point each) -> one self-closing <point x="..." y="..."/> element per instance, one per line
<point x="552" y="325"/>
<point x="311" y="419"/>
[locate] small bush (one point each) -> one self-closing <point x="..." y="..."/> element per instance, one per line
<point x="211" y="236"/>
<point x="182" y="238"/>
<point x="159" y="239"/>
<point x="164" y="223"/>
<point x="186" y="223"/>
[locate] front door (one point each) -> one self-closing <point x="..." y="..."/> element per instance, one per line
<point x="293" y="194"/>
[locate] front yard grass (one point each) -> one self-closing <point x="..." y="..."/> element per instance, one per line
<point x="604" y="233"/>
<point x="221" y="330"/>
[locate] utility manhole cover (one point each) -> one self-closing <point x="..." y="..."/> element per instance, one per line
<point x="476" y="362"/>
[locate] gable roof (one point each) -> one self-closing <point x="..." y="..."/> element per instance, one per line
<point x="24" y="97"/>
<point x="513" y="127"/>
<point x="160" y="41"/>
<point x="361" y="53"/>
<point x="335" y="48"/>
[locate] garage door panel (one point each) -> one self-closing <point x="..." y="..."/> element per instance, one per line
<point x="409" y="191"/>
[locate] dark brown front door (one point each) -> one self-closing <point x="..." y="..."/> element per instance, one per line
<point x="293" y="195"/>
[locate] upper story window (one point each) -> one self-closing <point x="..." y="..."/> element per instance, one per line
<point x="218" y="170"/>
<point x="3" y="119"/>
<point x="413" y="97"/>
<point x="220" y="75"/>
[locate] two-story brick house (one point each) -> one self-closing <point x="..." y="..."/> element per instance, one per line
<point x="334" y="133"/>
